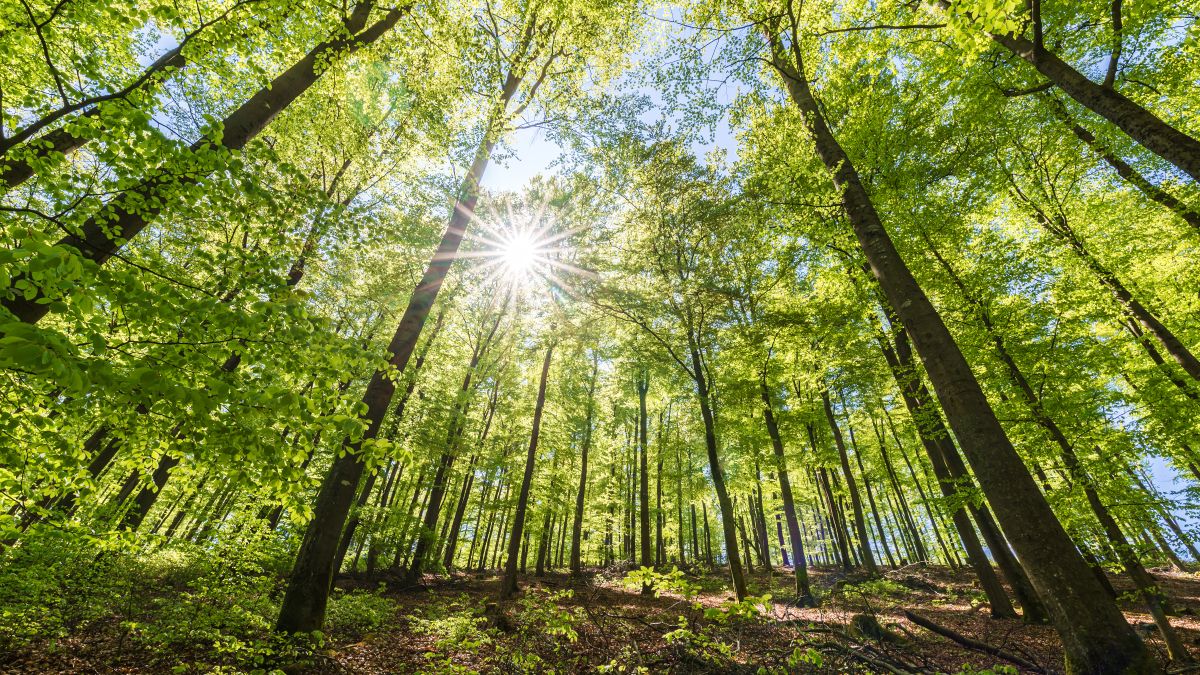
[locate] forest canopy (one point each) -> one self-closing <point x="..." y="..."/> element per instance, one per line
<point x="599" y="335"/>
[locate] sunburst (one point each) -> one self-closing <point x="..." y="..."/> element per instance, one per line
<point x="525" y="250"/>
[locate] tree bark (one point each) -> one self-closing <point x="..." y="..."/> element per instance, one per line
<point x="860" y="521"/>
<point x="1095" y="635"/>
<point x="800" y="563"/>
<point x="508" y="584"/>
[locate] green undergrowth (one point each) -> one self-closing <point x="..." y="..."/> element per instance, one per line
<point x="185" y="607"/>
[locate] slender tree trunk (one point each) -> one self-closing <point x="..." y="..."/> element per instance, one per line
<point x="425" y="537"/>
<point x="1171" y="343"/>
<point x="803" y="592"/>
<point x="1124" y="170"/>
<point x="508" y="585"/>
<point x="577" y="525"/>
<point x="645" y="558"/>
<point x="860" y="522"/>
<point x="1148" y="589"/>
<point x="937" y="442"/>
<point x="714" y="463"/>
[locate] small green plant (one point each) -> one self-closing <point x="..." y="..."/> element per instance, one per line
<point x="662" y="582"/>
<point x="540" y="612"/>
<point x="700" y="644"/>
<point x="877" y="588"/>
<point x="750" y="609"/>
<point x="356" y="613"/>
<point x="806" y="657"/>
<point x="998" y="669"/>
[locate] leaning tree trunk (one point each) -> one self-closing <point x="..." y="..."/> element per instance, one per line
<point x="1096" y="637"/>
<point x="303" y="608"/>
<point x="508" y="584"/>
<point x="1145" y="584"/>
<point x="1131" y="175"/>
<point x="929" y="428"/>
<point x="106" y="233"/>
<point x="1143" y="126"/>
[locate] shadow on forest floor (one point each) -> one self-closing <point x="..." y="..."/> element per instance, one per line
<point x="617" y="627"/>
<point x="599" y="624"/>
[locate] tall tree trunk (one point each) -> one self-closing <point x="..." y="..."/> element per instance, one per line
<point x="508" y="585"/>
<point x="860" y="521"/>
<point x="935" y="440"/>
<point x="714" y="464"/>
<point x="800" y="563"/>
<point x="1095" y="635"/>
<point x="577" y="524"/>
<point x="643" y="449"/>
<point x="303" y="608"/>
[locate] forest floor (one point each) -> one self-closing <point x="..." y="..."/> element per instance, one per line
<point x="600" y="624"/>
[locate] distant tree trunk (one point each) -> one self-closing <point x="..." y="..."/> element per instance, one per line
<point x="925" y="500"/>
<point x="783" y="552"/>
<point x="577" y="525"/>
<point x="708" y="553"/>
<point x="680" y="545"/>
<point x="714" y="463"/>
<point x="464" y="498"/>
<point x="508" y="585"/>
<point x="643" y="449"/>
<point x="860" y="522"/>
<point x="803" y="592"/>
<point x="425" y="536"/>
<point x="544" y="543"/>
<point x="696" y="554"/>
<point x="659" y="550"/>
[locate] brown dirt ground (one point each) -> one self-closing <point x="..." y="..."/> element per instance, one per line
<point x="621" y="627"/>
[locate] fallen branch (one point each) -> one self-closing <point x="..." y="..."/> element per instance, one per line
<point x="972" y="644"/>
<point x="850" y="652"/>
